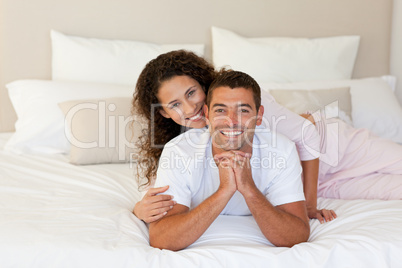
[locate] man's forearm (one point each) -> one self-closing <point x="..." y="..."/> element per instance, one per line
<point x="180" y="230"/>
<point x="278" y="226"/>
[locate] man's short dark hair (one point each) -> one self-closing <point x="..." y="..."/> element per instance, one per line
<point x="235" y="79"/>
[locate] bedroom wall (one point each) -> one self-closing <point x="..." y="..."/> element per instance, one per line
<point x="25" y="25"/>
<point x="396" y="47"/>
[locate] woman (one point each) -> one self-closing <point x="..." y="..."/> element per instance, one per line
<point x="355" y="164"/>
<point x="170" y="93"/>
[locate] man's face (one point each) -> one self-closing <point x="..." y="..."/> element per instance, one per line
<point x="233" y="116"/>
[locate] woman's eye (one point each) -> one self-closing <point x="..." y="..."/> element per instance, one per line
<point x="191" y="93"/>
<point x="219" y="110"/>
<point x="174" y="105"/>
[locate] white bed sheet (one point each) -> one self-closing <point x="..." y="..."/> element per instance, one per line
<point x="54" y="214"/>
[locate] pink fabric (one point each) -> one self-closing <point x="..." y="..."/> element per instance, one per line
<point x="355" y="164"/>
<point x="294" y="127"/>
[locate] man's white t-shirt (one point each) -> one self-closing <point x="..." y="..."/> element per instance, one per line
<point x="187" y="166"/>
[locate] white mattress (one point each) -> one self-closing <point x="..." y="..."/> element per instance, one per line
<point x="54" y="214"/>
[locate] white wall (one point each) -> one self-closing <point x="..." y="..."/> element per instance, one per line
<point x="25" y="50"/>
<point x="396" y="47"/>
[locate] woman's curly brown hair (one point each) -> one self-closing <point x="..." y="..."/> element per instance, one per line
<point x="145" y="103"/>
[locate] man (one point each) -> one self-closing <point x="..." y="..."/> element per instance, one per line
<point x="221" y="170"/>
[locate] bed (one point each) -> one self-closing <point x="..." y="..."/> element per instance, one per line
<point x="67" y="166"/>
<point x="54" y="214"/>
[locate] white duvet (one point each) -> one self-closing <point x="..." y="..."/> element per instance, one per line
<point x="54" y="214"/>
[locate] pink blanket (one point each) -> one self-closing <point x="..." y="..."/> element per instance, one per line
<point x="355" y="164"/>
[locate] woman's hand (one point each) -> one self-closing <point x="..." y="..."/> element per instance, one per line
<point x="323" y="215"/>
<point x="153" y="207"/>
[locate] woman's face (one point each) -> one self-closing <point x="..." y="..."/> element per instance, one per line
<point x="182" y="99"/>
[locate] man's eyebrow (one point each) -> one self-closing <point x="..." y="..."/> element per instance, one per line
<point x="219" y="104"/>
<point x="240" y="105"/>
<point x="245" y="105"/>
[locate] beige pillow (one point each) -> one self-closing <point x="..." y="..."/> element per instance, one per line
<point x="101" y="131"/>
<point x="336" y="101"/>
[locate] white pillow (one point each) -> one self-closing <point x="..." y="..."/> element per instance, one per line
<point x="374" y="106"/>
<point x="40" y="124"/>
<point x="117" y="62"/>
<point x="286" y="59"/>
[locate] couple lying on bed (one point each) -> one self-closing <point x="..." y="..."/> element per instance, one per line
<point x="353" y="163"/>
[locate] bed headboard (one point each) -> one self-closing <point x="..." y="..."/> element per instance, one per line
<point x="25" y="26"/>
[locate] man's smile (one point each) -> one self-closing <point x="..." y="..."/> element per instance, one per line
<point x="231" y="133"/>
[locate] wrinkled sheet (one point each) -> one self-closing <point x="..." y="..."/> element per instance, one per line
<point x="54" y="214"/>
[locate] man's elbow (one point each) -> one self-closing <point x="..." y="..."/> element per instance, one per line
<point x="301" y="237"/>
<point x="161" y="245"/>
<point x="291" y="242"/>
<point x="161" y="242"/>
<point x="304" y="234"/>
<point x="156" y="243"/>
